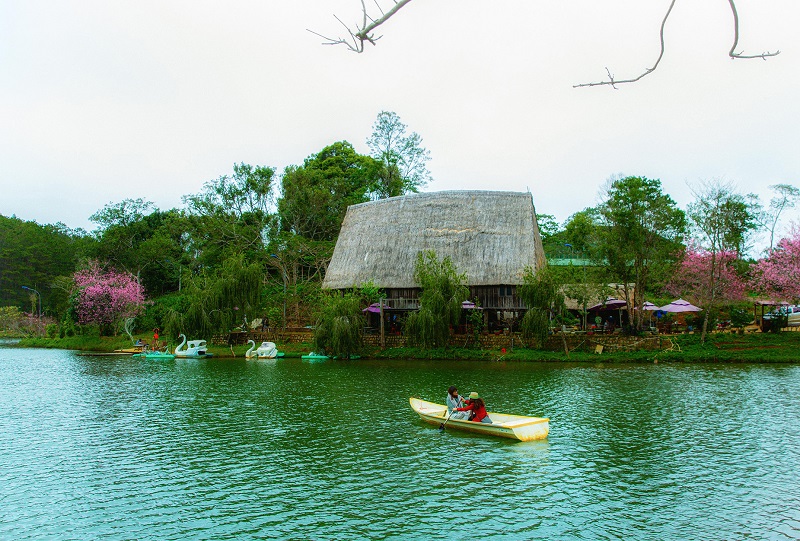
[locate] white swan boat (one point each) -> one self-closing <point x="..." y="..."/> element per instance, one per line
<point x="193" y="349"/>
<point x="267" y="350"/>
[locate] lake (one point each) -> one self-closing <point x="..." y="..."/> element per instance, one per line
<point x="117" y="448"/>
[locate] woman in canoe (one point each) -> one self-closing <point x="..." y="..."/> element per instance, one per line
<point x="476" y="406"/>
<point x="455" y="401"/>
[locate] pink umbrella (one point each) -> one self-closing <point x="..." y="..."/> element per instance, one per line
<point x="680" y="305"/>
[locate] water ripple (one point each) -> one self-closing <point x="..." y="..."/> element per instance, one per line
<point x="116" y="448"/>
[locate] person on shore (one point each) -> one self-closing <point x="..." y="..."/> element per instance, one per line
<point x="455" y="401"/>
<point x="476" y="406"/>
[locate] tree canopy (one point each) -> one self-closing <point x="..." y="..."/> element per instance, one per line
<point x="640" y="236"/>
<point x="401" y="155"/>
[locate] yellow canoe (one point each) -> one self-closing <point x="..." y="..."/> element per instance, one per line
<point x="515" y="427"/>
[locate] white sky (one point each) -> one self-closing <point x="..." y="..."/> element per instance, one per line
<point x="106" y="100"/>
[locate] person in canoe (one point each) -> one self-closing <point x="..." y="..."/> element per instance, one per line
<point x="476" y="406"/>
<point x="455" y="401"/>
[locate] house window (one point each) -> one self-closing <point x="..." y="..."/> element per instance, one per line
<point x="506" y="291"/>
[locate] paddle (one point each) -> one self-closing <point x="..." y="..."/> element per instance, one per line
<point x="441" y="426"/>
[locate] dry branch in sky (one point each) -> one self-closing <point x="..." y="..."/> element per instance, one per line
<point x="364" y="33"/>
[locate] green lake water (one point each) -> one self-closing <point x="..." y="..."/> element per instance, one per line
<point x="117" y="448"/>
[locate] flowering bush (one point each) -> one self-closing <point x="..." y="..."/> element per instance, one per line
<point x="776" y="275"/>
<point x="106" y="297"/>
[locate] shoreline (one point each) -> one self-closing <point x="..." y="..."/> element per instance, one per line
<point x="783" y="347"/>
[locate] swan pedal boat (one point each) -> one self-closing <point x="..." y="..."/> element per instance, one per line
<point x="195" y="349"/>
<point x="515" y="427"/>
<point x="267" y="350"/>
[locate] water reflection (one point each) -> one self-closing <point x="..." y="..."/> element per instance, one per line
<point x="124" y="448"/>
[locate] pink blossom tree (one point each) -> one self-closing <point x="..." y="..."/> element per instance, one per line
<point x="106" y="297"/>
<point x="776" y="275"/>
<point x="709" y="279"/>
<point x="706" y="277"/>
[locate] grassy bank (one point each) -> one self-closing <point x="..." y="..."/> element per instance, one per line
<point x="770" y="347"/>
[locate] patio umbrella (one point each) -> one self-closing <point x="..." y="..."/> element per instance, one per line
<point x="375" y="308"/>
<point x="649" y="306"/>
<point x="610" y="304"/>
<point x="680" y="305"/>
<point x="469" y="305"/>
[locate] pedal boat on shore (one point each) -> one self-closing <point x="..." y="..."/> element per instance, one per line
<point x="515" y="427"/>
<point x="157" y="356"/>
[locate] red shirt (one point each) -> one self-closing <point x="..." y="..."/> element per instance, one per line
<point x="479" y="412"/>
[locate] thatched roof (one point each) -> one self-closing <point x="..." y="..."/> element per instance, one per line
<point x="492" y="236"/>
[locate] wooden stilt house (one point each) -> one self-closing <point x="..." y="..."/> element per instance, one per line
<point x="491" y="236"/>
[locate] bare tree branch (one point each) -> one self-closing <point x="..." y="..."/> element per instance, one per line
<point x="613" y="82"/>
<point x="363" y="33"/>
<point x="732" y="52"/>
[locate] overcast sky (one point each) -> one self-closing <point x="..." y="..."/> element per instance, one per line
<point x="106" y="100"/>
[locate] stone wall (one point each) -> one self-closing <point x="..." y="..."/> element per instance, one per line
<point x="277" y="336"/>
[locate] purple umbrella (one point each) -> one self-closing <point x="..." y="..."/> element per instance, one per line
<point x="610" y="304"/>
<point x="650" y="306"/>
<point x="680" y="305"/>
<point x="469" y="305"/>
<point x="375" y="308"/>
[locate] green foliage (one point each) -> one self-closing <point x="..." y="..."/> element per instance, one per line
<point x="215" y="300"/>
<point x="340" y="326"/>
<point x="581" y="231"/>
<point x="401" y="157"/>
<point x="34" y="255"/>
<point x="315" y="196"/>
<point x="11" y="321"/>
<point x="443" y="291"/>
<point x="370" y="293"/>
<point x="740" y="317"/>
<point x="476" y="322"/>
<point x="153" y="247"/>
<point x="541" y="292"/>
<point x="233" y="215"/>
<point x="640" y="233"/>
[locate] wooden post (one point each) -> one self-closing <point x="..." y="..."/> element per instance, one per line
<point x="383" y="335"/>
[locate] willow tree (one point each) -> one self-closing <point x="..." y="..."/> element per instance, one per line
<point x="340" y="326"/>
<point x="443" y="289"/>
<point x="216" y="300"/>
<point x="542" y="293"/>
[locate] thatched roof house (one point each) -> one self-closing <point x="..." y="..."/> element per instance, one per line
<point x="492" y="236"/>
